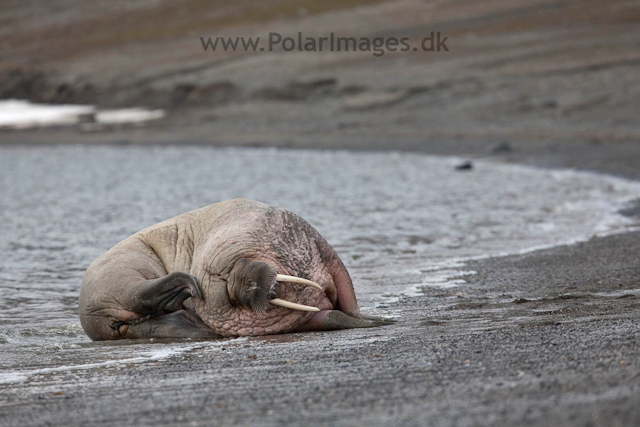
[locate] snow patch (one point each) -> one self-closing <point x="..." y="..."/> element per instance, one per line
<point x="19" y="114"/>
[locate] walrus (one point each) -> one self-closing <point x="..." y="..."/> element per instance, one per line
<point x="234" y="268"/>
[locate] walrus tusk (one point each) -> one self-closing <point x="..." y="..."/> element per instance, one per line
<point x="292" y="305"/>
<point x="293" y="279"/>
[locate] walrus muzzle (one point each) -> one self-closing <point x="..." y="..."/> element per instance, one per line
<point x="292" y="305"/>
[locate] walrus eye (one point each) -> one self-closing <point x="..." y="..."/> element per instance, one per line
<point x="253" y="286"/>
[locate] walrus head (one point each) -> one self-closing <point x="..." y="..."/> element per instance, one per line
<point x="252" y="284"/>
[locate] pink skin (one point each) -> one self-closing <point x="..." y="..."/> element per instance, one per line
<point x="230" y="311"/>
<point x="248" y="314"/>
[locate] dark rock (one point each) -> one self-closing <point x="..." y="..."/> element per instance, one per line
<point x="298" y="91"/>
<point x="632" y="209"/>
<point x="351" y="90"/>
<point x="86" y="118"/>
<point x="501" y="147"/>
<point x="465" y="166"/>
<point x="21" y="84"/>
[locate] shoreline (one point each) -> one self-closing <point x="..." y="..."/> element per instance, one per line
<point x="618" y="158"/>
<point x="536" y="354"/>
<point x="548" y="336"/>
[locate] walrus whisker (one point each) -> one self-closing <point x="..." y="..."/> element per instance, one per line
<point x="292" y="305"/>
<point x="293" y="279"/>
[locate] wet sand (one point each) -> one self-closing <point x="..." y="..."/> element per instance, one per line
<point x="548" y="338"/>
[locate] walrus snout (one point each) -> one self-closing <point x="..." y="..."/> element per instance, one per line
<point x="252" y="284"/>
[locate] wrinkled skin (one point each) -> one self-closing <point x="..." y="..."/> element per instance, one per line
<point x="211" y="273"/>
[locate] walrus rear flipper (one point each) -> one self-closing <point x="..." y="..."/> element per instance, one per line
<point x="329" y="320"/>
<point x="142" y="309"/>
<point x="179" y="324"/>
<point x="161" y="301"/>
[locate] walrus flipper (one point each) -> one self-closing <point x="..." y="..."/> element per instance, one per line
<point x="162" y="295"/>
<point x="179" y="324"/>
<point x="161" y="300"/>
<point x="329" y="320"/>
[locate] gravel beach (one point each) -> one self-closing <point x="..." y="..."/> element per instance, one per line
<point x="550" y="337"/>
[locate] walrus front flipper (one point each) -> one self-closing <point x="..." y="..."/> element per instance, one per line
<point x="179" y="324"/>
<point x="162" y="295"/>
<point x="158" y="304"/>
<point x="347" y="302"/>
<point x="328" y="320"/>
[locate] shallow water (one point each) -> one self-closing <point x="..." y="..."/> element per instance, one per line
<point x="399" y="221"/>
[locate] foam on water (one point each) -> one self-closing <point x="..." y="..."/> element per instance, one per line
<point x="401" y="222"/>
<point x="155" y="353"/>
<point x="163" y="353"/>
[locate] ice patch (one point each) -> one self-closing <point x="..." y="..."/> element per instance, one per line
<point x="19" y="114"/>
<point x="128" y="115"/>
<point x="23" y="114"/>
